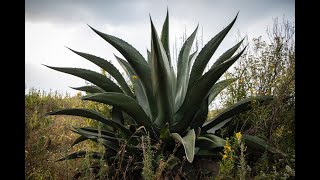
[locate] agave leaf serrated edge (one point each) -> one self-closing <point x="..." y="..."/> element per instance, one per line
<point x="182" y="70"/>
<point x="97" y="79"/>
<point x="89" y="89"/>
<point x="165" y="37"/>
<point x="108" y="67"/>
<point x="162" y="81"/>
<point x="218" y="87"/>
<point x="226" y="55"/>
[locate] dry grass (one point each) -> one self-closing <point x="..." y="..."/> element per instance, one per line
<point x="48" y="139"/>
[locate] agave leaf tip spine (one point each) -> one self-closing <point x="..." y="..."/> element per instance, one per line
<point x="47" y="114"/>
<point x="245" y="48"/>
<point x="115" y="55"/>
<point x="150" y="17"/>
<point x="88" y="96"/>
<point x="51" y="67"/>
<point x="151" y="20"/>
<point x="89" y="26"/>
<point x="71" y="50"/>
<point x="96" y="31"/>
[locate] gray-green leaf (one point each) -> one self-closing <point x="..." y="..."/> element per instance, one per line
<point x="188" y="143"/>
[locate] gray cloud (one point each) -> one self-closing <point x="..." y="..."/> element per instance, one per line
<point x="79" y="11"/>
<point x="130" y="12"/>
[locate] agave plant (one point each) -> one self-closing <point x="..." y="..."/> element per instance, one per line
<point x="170" y="105"/>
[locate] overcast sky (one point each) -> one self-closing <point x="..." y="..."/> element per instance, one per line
<point x="50" y="25"/>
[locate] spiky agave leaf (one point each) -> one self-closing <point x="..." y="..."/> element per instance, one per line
<point x="89" y="89"/>
<point x="199" y="94"/>
<point x="188" y="142"/>
<point x="87" y="113"/>
<point x="239" y="107"/>
<point x="117" y="115"/>
<point x="79" y="140"/>
<point x="162" y="80"/>
<point x="182" y="70"/>
<point x="218" y="126"/>
<point x="192" y="57"/>
<point x="260" y="144"/>
<point x="210" y="141"/>
<point x="139" y="91"/>
<point x="165" y="37"/>
<point x="205" y="55"/>
<point x="202" y="113"/>
<point x="226" y="55"/>
<point x="200" y="116"/>
<point x="99" y="130"/>
<point x="98" y="138"/>
<point x="137" y="63"/>
<point x="96" y="134"/>
<point x="108" y="67"/>
<point x="165" y="42"/>
<point x="126" y="103"/>
<point x="91" y="76"/>
<point x="218" y="87"/>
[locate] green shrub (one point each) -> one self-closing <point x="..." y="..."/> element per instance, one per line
<point x="268" y="68"/>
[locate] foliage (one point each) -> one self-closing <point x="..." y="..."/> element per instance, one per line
<point x="48" y="138"/>
<point x="233" y="162"/>
<point x="268" y="68"/>
<point x="166" y="106"/>
<point x="147" y="170"/>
